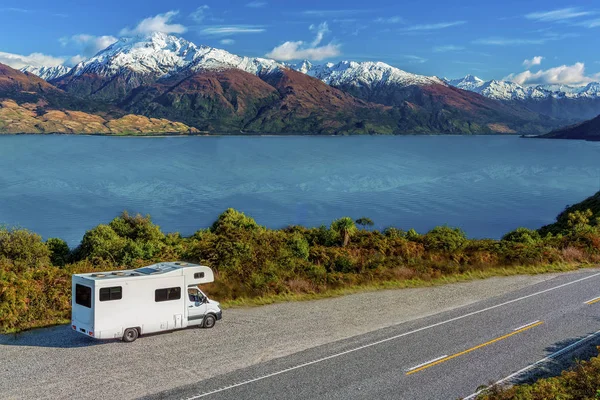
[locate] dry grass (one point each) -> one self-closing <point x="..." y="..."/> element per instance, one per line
<point x="403" y="281"/>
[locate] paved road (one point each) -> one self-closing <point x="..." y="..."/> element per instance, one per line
<point x="444" y="356"/>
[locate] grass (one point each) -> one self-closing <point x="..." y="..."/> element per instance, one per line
<point x="406" y="284"/>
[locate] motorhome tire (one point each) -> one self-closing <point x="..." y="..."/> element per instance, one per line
<point x="130" y="335"/>
<point x="209" y="321"/>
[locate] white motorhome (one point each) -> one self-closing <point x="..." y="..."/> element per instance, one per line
<point x="156" y="298"/>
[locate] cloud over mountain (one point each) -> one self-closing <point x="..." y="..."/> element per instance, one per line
<point x="159" y="23"/>
<point x="562" y="75"/>
<point x="300" y="50"/>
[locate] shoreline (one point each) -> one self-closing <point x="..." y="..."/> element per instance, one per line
<point x="244" y="134"/>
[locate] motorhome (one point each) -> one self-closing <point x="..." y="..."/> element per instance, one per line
<point x="156" y="298"/>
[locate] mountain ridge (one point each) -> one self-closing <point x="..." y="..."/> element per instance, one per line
<point x="161" y="75"/>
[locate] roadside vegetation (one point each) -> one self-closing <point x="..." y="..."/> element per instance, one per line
<point x="581" y="382"/>
<point x="256" y="265"/>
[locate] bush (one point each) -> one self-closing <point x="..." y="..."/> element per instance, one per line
<point x="523" y="235"/>
<point x="59" y="251"/>
<point x="444" y="238"/>
<point x="23" y="248"/>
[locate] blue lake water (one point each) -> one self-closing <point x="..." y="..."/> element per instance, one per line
<point x="61" y="186"/>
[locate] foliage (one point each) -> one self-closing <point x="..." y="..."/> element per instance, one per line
<point x="364" y="222"/>
<point x="444" y="238"/>
<point x="253" y="262"/>
<point x="581" y="382"/>
<point x="523" y="235"/>
<point x="345" y="227"/>
<point x="59" y="251"/>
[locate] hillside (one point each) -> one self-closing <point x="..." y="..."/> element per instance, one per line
<point x="562" y="220"/>
<point x="588" y="130"/>
<point x="27" y="118"/>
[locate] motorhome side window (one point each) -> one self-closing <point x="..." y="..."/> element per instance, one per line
<point x="167" y="294"/>
<point x="83" y="295"/>
<point x="199" y="275"/>
<point x="111" y="293"/>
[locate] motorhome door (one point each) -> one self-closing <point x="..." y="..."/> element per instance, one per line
<point x="196" y="306"/>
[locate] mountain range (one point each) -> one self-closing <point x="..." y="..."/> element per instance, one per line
<point x="167" y="78"/>
<point x="567" y="103"/>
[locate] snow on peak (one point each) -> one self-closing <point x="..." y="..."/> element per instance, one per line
<point x="47" y="73"/>
<point x="211" y="59"/>
<point x="364" y="74"/>
<point x="469" y="82"/>
<point x="161" y="55"/>
<point x="156" y="53"/>
<point x="506" y="90"/>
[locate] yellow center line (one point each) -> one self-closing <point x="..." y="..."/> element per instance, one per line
<point x="592" y="301"/>
<point x="473" y="348"/>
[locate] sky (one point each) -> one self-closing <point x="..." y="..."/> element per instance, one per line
<point x="532" y="42"/>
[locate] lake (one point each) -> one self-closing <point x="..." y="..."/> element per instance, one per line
<point x="61" y="186"/>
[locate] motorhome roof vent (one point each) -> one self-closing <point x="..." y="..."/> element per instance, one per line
<point x="98" y="275"/>
<point x="134" y="274"/>
<point x="119" y="273"/>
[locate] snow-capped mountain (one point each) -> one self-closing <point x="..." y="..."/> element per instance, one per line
<point x="161" y="55"/>
<point x="469" y="82"/>
<point x="47" y="73"/>
<point x="364" y="74"/>
<point x="505" y="90"/>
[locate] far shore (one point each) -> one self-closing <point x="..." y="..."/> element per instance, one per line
<point x="250" y="134"/>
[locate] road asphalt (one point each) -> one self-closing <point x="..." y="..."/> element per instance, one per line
<point x="445" y="356"/>
<point x="369" y="345"/>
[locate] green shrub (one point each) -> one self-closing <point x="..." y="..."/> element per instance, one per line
<point x="444" y="238"/>
<point x="59" y="251"/>
<point x="523" y="235"/>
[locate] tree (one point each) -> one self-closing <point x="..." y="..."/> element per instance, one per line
<point x="345" y="227"/>
<point x="364" y="222"/>
<point x="59" y="251"/>
<point x="522" y="235"/>
<point x="444" y="238"/>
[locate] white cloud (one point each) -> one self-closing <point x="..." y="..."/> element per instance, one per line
<point x="312" y="51"/>
<point x="227" y="41"/>
<point x="557" y="15"/>
<point x="75" y="60"/>
<point x="335" y="13"/>
<point x="431" y="27"/>
<point x="228" y="30"/>
<point x="296" y="51"/>
<point x="592" y="23"/>
<point x="537" y="60"/>
<point x="390" y="20"/>
<point x="321" y="30"/>
<point x="447" y="48"/>
<point x="89" y="45"/>
<point x="200" y="13"/>
<point x="35" y="59"/>
<point x="256" y="4"/>
<point x="158" y="23"/>
<point x="415" y="59"/>
<point x="564" y="74"/>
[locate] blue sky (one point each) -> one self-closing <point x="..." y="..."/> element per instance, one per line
<point x="490" y="39"/>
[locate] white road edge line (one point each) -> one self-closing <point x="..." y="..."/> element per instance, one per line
<point x="543" y="360"/>
<point x="393" y="337"/>
<point x="526" y="325"/>
<point x="590" y="300"/>
<point x="426" y="362"/>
